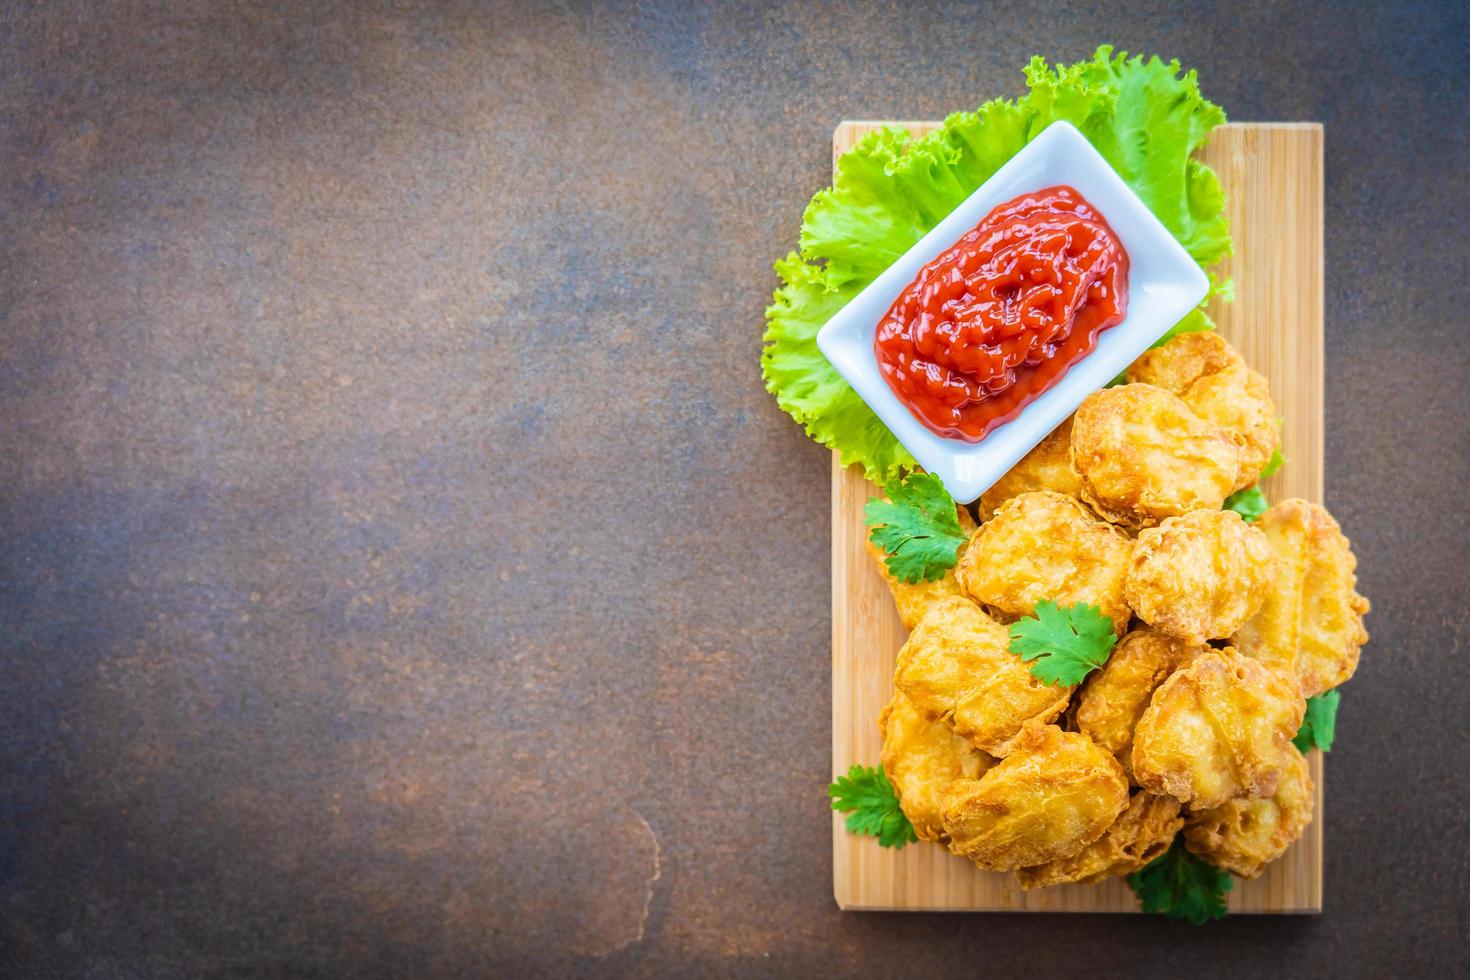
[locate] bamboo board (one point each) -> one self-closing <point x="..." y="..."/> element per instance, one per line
<point x="1272" y="174"/>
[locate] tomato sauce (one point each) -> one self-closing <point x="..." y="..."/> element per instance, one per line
<point x="999" y="316"/>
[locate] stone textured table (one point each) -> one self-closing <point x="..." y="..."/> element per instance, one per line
<point x="404" y="572"/>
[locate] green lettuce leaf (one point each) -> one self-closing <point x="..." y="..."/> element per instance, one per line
<point x="1142" y="115"/>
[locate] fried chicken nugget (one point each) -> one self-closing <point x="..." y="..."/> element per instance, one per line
<point x="921" y="757"/>
<point x="1045" y="545"/>
<point x="1143" y="455"/>
<point x="1112" y="699"/>
<point x="1048" y="466"/>
<point x="1217" y="729"/>
<point x="1057" y="793"/>
<point x="1311" y="623"/>
<point x="957" y="663"/>
<point x="1200" y="576"/>
<point x="1243" y="836"/>
<point x="1214" y="380"/>
<point x="1143" y="832"/>
<point x="913" y="599"/>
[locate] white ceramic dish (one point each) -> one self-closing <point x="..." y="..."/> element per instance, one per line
<point x="1164" y="284"/>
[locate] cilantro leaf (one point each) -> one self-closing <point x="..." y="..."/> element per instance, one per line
<point x="1181" y="886"/>
<point x="871" y="805"/>
<point x="1145" y="116"/>
<point x="1277" y="460"/>
<point x="1067" y="642"/>
<point x="1249" y="503"/>
<point x="916" y="527"/>
<point x="1319" y="727"/>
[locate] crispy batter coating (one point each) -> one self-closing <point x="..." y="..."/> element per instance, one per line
<point x="1143" y="832"/>
<point x="1048" y="466"/>
<point x="957" y="663"/>
<point x="1057" y="793"/>
<point x="1045" y="545"/>
<point x="921" y="757"/>
<point x="1143" y="455"/>
<point x="1216" y="730"/>
<point x="1121" y="507"/>
<point x="1214" y="380"/>
<point x="1311" y="623"/>
<point x="1243" y="836"/>
<point x="1112" y="699"/>
<point x="913" y="599"/>
<point x="1200" y="576"/>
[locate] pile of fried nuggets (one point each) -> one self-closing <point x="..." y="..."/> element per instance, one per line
<point x="1226" y="628"/>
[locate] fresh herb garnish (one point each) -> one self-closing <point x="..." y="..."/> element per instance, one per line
<point x="1066" y="642"/>
<point x="1277" y="460"/>
<point x="1319" y="727"/>
<point x="871" y="805"/>
<point x="916" y="527"/>
<point x="1249" y="503"/>
<point x="1181" y="886"/>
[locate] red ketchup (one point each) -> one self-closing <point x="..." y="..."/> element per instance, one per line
<point x="1000" y="315"/>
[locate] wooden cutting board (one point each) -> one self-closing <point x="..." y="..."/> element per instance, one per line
<point x="1272" y="174"/>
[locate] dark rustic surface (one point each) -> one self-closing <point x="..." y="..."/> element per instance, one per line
<point x="405" y="574"/>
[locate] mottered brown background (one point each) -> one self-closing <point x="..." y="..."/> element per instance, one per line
<point x="404" y="572"/>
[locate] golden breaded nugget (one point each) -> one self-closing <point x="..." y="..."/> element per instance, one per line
<point x="1048" y="466"/>
<point x="1243" y="836"/>
<point x="1143" y="455"/>
<point x="1200" y="576"/>
<point x="913" y="599"/>
<point x="1217" y="730"/>
<point x="922" y="756"/>
<point x="1214" y="380"/>
<point x="1311" y="623"/>
<point x="957" y="663"/>
<point x="1045" y="545"/>
<point x="1143" y="832"/>
<point x="1112" y="699"/>
<point x="1057" y="793"/>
